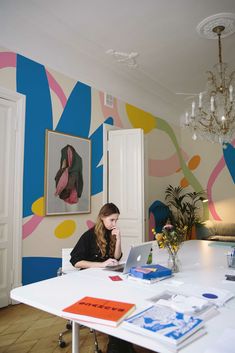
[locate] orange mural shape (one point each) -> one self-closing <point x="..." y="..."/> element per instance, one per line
<point x="184" y="183"/>
<point x="194" y="162"/>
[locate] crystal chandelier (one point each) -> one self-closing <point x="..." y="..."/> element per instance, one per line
<point x="212" y="115"/>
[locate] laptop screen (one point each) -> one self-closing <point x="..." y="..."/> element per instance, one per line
<point x="138" y="256"/>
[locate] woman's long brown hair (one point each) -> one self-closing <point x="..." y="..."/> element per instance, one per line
<point x="107" y="210"/>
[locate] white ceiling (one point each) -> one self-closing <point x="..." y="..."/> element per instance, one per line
<point x="73" y="36"/>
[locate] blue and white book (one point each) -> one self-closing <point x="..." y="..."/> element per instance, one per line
<point x="164" y="324"/>
<point x="150" y="271"/>
<point x="147" y="281"/>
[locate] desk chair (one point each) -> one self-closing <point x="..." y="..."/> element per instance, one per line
<point x="66" y="268"/>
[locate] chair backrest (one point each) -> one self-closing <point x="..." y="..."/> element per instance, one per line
<point x="66" y="264"/>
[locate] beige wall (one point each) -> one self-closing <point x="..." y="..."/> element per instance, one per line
<point x="168" y="155"/>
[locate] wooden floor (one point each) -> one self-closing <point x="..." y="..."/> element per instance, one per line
<point x="24" y="329"/>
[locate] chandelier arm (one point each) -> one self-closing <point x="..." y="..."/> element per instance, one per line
<point x="218" y="122"/>
<point x="231" y="77"/>
<point x="204" y="125"/>
<point x="212" y="78"/>
<point x="229" y="111"/>
<point x="203" y="112"/>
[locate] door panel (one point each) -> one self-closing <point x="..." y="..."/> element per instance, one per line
<point x="7" y="162"/>
<point x="126" y="183"/>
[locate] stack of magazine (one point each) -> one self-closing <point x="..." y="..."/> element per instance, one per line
<point x="167" y="326"/>
<point x="173" y="319"/>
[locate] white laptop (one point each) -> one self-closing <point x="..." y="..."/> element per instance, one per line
<point x="138" y="256"/>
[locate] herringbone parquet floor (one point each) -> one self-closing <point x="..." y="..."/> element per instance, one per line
<point x="24" y="329"/>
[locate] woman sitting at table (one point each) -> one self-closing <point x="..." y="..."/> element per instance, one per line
<point x="100" y="246"/>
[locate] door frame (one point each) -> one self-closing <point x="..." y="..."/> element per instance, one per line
<point x="19" y="100"/>
<point x="106" y="129"/>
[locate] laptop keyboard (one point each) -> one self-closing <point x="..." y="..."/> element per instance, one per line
<point x="117" y="268"/>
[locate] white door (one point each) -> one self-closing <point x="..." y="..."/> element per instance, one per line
<point x="7" y="146"/>
<point x="10" y="200"/>
<point x="126" y="183"/>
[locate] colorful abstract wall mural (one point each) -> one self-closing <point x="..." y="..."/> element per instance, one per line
<point x="58" y="103"/>
<point x="34" y="81"/>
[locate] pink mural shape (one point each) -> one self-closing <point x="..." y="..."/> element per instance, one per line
<point x="166" y="167"/>
<point x="55" y="87"/>
<point x="112" y="112"/>
<point x="152" y="225"/>
<point x="90" y="224"/>
<point x="7" y="59"/>
<point x="31" y="225"/>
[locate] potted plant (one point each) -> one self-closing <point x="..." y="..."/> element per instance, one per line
<point x="184" y="207"/>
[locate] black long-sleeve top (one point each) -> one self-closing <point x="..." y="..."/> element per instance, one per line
<point x="88" y="250"/>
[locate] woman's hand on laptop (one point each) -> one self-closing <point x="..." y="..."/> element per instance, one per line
<point x="110" y="262"/>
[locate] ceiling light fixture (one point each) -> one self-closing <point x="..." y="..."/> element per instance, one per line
<point x="212" y="116"/>
<point x="124" y="58"/>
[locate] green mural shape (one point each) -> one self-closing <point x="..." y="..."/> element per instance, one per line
<point x="164" y="126"/>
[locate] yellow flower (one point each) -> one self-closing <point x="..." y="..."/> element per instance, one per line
<point x="175" y="247"/>
<point x="159" y="236"/>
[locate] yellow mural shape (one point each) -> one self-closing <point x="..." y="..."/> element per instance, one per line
<point x="65" y="229"/>
<point x="140" y="119"/>
<point x="38" y="207"/>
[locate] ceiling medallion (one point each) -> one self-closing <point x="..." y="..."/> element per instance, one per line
<point x="226" y="19"/>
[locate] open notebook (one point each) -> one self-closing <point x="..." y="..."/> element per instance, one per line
<point x="138" y="256"/>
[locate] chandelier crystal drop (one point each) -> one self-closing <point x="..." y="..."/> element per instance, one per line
<point x="212" y="115"/>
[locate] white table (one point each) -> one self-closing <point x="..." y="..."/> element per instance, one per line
<point x="201" y="265"/>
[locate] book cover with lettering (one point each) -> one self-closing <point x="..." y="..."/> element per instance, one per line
<point x="98" y="310"/>
<point x="165" y="324"/>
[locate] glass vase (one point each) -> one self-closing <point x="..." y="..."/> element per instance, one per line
<point x="173" y="261"/>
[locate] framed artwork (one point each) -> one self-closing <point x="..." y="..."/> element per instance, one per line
<point x="67" y="188"/>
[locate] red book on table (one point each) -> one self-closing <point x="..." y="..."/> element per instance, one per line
<point x="98" y="310"/>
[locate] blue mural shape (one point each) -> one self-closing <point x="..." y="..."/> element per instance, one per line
<point x="32" y="81"/>
<point x="229" y="157"/>
<point x="76" y="117"/>
<point x="35" y="269"/>
<point x="96" y="156"/>
<point x="161" y="214"/>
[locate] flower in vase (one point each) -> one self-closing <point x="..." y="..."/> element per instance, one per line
<point x="169" y="238"/>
